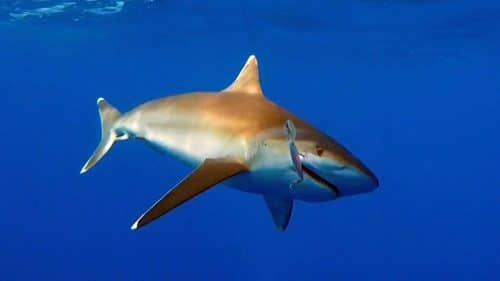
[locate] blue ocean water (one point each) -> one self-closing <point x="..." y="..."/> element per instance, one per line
<point x="411" y="87"/>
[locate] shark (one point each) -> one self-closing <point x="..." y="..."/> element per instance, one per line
<point x="242" y="139"/>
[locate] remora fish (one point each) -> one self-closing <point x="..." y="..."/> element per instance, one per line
<point x="239" y="137"/>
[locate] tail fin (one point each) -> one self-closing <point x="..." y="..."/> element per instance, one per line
<point x="108" y="115"/>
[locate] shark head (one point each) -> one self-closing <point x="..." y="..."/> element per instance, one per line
<point x="330" y="163"/>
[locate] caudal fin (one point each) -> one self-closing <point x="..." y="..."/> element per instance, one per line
<point x="108" y="115"/>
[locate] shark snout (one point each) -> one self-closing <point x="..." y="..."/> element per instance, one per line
<point x="350" y="178"/>
<point x="367" y="179"/>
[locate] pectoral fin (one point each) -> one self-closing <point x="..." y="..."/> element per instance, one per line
<point x="206" y="175"/>
<point x="281" y="210"/>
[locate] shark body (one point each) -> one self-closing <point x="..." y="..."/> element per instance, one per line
<point x="239" y="137"/>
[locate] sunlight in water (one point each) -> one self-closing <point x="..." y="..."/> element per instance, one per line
<point x="17" y="10"/>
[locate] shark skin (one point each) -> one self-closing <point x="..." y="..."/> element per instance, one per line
<point x="237" y="136"/>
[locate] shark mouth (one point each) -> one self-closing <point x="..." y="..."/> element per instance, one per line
<point x="321" y="180"/>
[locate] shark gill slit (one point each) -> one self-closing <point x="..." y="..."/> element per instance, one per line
<point x="321" y="180"/>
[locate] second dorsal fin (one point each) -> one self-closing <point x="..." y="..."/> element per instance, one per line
<point x="248" y="81"/>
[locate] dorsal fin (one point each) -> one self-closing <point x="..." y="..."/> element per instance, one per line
<point x="248" y="81"/>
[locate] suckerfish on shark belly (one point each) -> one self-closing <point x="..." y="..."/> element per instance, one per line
<point x="271" y="171"/>
<point x="275" y="182"/>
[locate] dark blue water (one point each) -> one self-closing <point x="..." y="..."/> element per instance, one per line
<point x="411" y="87"/>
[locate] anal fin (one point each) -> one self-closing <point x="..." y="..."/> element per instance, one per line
<point x="206" y="175"/>
<point x="281" y="210"/>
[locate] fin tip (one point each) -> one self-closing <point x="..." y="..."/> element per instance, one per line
<point x="134" y="226"/>
<point x="84" y="169"/>
<point x="251" y="58"/>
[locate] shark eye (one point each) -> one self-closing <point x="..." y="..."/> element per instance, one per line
<point x="319" y="150"/>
